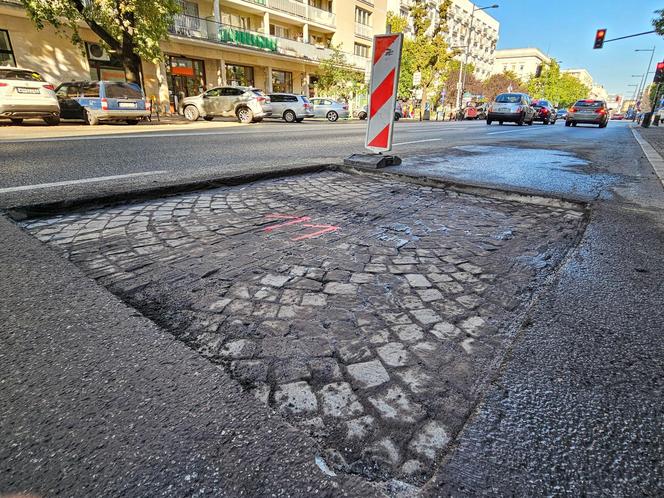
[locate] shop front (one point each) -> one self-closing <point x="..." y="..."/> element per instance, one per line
<point x="185" y="77"/>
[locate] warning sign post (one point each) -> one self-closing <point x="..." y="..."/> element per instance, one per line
<point x="385" y="66"/>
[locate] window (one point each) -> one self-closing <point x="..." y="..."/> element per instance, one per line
<point x="279" y="31"/>
<point x="20" y="74"/>
<point x="236" y="20"/>
<point x="361" y="50"/>
<point x="90" y="90"/>
<point x="123" y="91"/>
<point x="231" y="92"/>
<point x="362" y="16"/>
<point x="282" y="81"/>
<point x="215" y="92"/>
<point x="6" y="52"/>
<point x="237" y="75"/>
<point x="277" y="98"/>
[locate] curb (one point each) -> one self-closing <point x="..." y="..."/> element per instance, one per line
<point x="654" y="158"/>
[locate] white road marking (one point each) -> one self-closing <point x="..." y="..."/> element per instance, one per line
<point x="77" y="182"/>
<point x="418" y="141"/>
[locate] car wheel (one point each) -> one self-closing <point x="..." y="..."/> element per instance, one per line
<point x="362" y="116"/>
<point x="299" y="120"/>
<point x="574" y="125"/>
<point x="530" y="123"/>
<point x="488" y="122"/>
<point x="208" y="118"/>
<point x="91" y="119"/>
<point x="545" y="122"/>
<point x="603" y="125"/>
<point x="567" y="123"/>
<point x="500" y="123"/>
<point x="289" y="116"/>
<point x="396" y="116"/>
<point x="52" y="120"/>
<point x="332" y="116"/>
<point x="132" y="121"/>
<point x="244" y="115"/>
<point x="17" y="121"/>
<point x="191" y="113"/>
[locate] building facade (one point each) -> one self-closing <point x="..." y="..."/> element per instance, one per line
<point x="582" y="75"/>
<point x="483" y="36"/>
<point x="524" y="62"/>
<point x="275" y="45"/>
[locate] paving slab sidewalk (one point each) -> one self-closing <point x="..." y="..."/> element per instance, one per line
<point x="98" y="401"/>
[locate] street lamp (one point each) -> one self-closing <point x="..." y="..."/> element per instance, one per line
<point x="643" y="80"/>
<point x="462" y="77"/>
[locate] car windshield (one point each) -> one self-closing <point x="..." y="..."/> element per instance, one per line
<point x="305" y="100"/>
<point x="258" y="92"/>
<point x="123" y="91"/>
<point x="508" y="98"/>
<point x="589" y="103"/>
<point x="540" y="103"/>
<point x="20" y="74"/>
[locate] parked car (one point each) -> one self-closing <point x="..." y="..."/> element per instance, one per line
<point x="544" y="112"/>
<point x="618" y="116"/>
<point x="247" y="104"/>
<point x="474" y="111"/>
<point x="24" y="94"/>
<point x="330" y="109"/>
<point x="561" y="114"/>
<point x="588" y="111"/>
<point x="511" y="107"/>
<point x="102" y="101"/>
<point x="291" y="108"/>
<point x="398" y="112"/>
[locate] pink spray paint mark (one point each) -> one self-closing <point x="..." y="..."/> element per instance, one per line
<point x="295" y="220"/>
<point x="325" y="229"/>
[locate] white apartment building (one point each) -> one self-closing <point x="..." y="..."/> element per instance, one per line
<point x="582" y="75"/>
<point x="521" y="61"/>
<point x="483" y="37"/>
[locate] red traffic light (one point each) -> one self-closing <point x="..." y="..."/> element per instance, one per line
<point x="659" y="73"/>
<point x="599" y="38"/>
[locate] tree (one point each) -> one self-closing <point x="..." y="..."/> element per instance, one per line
<point x="336" y="77"/>
<point x="399" y="24"/>
<point x="559" y="88"/>
<point x="658" y="22"/>
<point x="501" y="83"/>
<point x="130" y="28"/>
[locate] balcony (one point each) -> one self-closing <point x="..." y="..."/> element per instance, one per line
<point x="211" y="31"/>
<point x="299" y="9"/>
<point x="363" y="31"/>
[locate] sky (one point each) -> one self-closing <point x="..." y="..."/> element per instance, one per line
<point x="565" y="29"/>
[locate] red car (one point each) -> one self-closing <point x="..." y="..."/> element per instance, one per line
<point x="618" y="116"/>
<point x="544" y="112"/>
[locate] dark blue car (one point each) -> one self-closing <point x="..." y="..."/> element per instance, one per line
<point x="97" y="101"/>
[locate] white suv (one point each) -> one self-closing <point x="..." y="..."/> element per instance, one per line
<point x="25" y="94"/>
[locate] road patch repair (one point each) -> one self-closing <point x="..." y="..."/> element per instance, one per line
<point x="371" y="313"/>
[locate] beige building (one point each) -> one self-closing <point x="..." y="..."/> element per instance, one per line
<point x="521" y="61"/>
<point x="275" y="45"/>
<point x="483" y="37"/>
<point x="582" y="75"/>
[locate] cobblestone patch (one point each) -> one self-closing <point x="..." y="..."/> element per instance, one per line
<point x="370" y="313"/>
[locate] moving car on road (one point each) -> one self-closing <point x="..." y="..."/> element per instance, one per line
<point x="24" y="94"/>
<point x="330" y="109"/>
<point x="97" y="101"/>
<point x="561" y="114"/>
<point x="511" y="107"/>
<point x="247" y="104"/>
<point x="291" y="108"/>
<point x="588" y="111"/>
<point x="544" y="112"/>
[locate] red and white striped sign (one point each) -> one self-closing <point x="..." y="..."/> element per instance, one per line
<point x="385" y="67"/>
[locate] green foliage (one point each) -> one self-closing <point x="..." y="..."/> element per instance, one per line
<point x="399" y="24"/>
<point x="337" y="78"/>
<point x="658" y="22"/>
<point x="132" y="28"/>
<point x="560" y="89"/>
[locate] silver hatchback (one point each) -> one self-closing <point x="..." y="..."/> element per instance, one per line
<point x="291" y="108"/>
<point x="248" y="105"/>
<point x="511" y="107"/>
<point x="330" y="109"/>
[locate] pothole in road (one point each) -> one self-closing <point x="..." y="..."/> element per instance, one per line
<point x="369" y="313"/>
<point x="543" y="170"/>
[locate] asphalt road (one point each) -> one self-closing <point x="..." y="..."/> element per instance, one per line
<point x="211" y="151"/>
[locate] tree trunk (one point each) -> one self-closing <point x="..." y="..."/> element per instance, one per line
<point x="132" y="67"/>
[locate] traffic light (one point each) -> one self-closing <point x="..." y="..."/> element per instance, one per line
<point x="599" y="38"/>
<point x="659" y="73"/>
